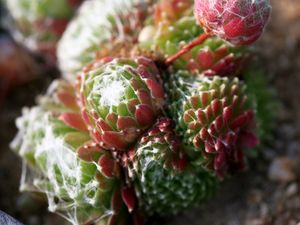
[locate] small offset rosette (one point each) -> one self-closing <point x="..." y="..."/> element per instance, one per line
<point x="165" y="181"/>
<point x="216" y="117"/>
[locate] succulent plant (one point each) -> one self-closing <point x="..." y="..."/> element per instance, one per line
<point x="166" y="36"/>
<point x="41" y="22"/>
<point x="98" y="24"/>
<point x="153" y="112"/>
<point x="164" y="182"/>
<point x="81" y="180"/>
<point x="120" y="98"/>
<point x="241" y="22"/>
<point x="215" y="116"/>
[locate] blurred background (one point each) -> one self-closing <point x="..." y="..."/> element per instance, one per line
<point x="269" y="193"/>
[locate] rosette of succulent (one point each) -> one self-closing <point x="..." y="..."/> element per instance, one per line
<point x="165" y="180"/>
<point x="97" y="28"/>
<point x="146" y="128"/>
<point x="40" y="23"/>
<point x="120" y="99"/>
<point x="81" y="180"/>
<point x="215" y="116"/>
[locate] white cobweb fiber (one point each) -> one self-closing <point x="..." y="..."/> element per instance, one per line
<point x="91" y="28"/>
<point x="68" y="182"/>
<point x="109" y="88"/>
<point x="61" y="158"/>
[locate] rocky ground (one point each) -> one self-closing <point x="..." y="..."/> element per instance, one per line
<point x="268" y="194"/>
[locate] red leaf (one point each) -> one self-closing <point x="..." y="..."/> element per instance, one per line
<point x="73" y="120"/>
<point x="227" y="114"/>
<point x="144" y="115"/>
<point x="126" y="122"/>
<point x="204" y="98"/>
<point x="201" y="117"/>
<point x="116" y="201"/>
<point x="205" y="59"/>
<point x="195" y="102"/>
<point x="216" y="106"/>
<point x="209" y="148"/>
<point x="144" y="97"/>
<point x="221" y="52"/>
<point x="131" y="105"/>
<point x="67" y="99"/>
<point x="189" y="116"/>
<point x="220" y="161"/>
<point x="88" y="152"/>
<point x="128" y="196"/>
<point x="239" y="122"/>
<point x="111" y="118"/>
<point x="219" y="122"/>
<point x="143" y="71"/>
<point x="107" y="165"/>
<point x="180" y="164"/>
<point x="115" y="140"/>
<point x="156" y="89"/>
<point x="249" y="140"/>
<point x="102" y="125"/>
<point x="204" y="133"/>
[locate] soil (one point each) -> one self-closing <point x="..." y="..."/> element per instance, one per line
<point x="267" y="194"/>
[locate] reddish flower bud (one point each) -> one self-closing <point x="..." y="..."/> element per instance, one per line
<point x="240" y="22"/>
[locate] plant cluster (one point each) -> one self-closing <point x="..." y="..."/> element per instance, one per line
<point x="153" y="110"/>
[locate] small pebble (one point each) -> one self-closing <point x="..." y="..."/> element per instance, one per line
<point x="292" y="190"/>
<point x="254" y="197"/>
<point x="282" y="170"/>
